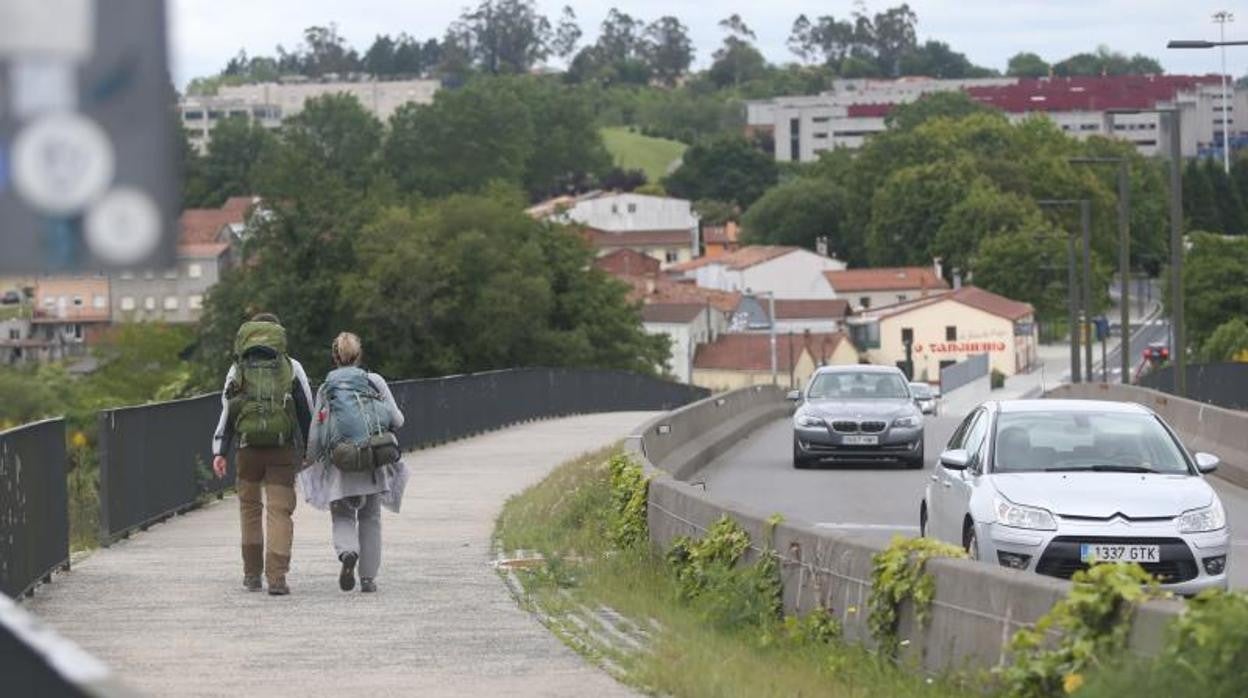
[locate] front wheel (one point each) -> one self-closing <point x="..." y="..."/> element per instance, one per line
<point x="972" y="543"/>
<point x="800" y="461"/>
<point x="916" y="463"/>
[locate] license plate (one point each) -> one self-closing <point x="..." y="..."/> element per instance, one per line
<point x="1099" y="552"/>
<point x="861" y="440"/>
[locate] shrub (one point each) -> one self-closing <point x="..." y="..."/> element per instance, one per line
<point x="629" y="491"/>
<point x="897" y="575"/>
<point x="997" y="379"/>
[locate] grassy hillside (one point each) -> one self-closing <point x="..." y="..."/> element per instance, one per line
<point x="635" y="151"/>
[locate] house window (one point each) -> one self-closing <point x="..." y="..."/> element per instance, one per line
<point x="864" y="302"/>
<point x="951" y="333"/>
<point x="901" y="298"/>
<point x="171" y="273"/>
<point x="76" y="331"/>
<point x="194" y="270"/>
<point x="670" y="256"/>
<point x="149" y="303"/>
<point x="615" y="208"/>
<point x="99" y="302"/>
<point x="907" y="335"/>
<point x="127" y="303"/>
<point x="15" y="333"/>
<point x="795" y="139"/>
<point x="195" y="301"/>
<point x="77" y="301"/>
<point x="171" y="302"/>
<point x="632" y="208"/>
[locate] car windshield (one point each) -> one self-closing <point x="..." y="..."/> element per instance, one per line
<point x="858" y="384"/>
<point x="1082" y="441"/>
<point x="922" y="391"/>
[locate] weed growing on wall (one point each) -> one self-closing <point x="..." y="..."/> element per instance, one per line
<point x="898" y="575"/>
<point x="726" y="594"/>
<point x="1091" y="626"/>
<point x="629" y="491"/>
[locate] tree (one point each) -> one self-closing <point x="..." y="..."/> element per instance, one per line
<point x="1027" y="265"/>
<point x="567" y="34"/>
<point x="618" y="56"/>
<point x="1027" y="65"/>
<point x="737" y="60"/>
<point x="1107" y="62"/>
<point x="712" y="212"/>
<point x="506" y="36"/>
<point x="338" y="133"/>
<point x="909" y="209"/>
<point x="935" y="59"/>
<point x="893" y="32"/>
<point x="670" y="49"/>
<point x="379" y="59"/>
<point x="803" y="41"/>
<point x="798" y="212"/>
<point x="953" y="105"/>
<point x="727" y="169"/>
<point x="462" y="141"/>
<point x="985" y="212"/>
<point x="567" y="151"/>
<point x="228" y="169"/>
<point x="471" y="283"/>
<point x="326" y="52"/>
<point x="1229" y="342"/>
<point x="1200" y="203"/>
<point x="1215" y="284"/>
<point x="1231" y="212"/>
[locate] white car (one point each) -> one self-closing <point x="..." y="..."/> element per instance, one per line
<point x="1055" y="485"/>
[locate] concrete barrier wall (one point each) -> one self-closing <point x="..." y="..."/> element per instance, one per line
<point x="977" y="607"/>
<point x="1202" y="427"/>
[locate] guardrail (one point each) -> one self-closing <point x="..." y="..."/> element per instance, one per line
<point x="1202" y="427"/>
<point x="155" y="459"/>
<point x="1224" y="384"/>
<point x="34" y="505"/>
<point x="35" y="661"/>
<point x="977" y="607"/>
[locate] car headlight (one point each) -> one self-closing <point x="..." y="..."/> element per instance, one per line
<point x="1018" y="516"/>
<point x="910" y="422"/>
<point x="809" y="420"/>
<point x="1210" y="518"/>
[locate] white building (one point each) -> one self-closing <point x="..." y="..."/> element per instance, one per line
<point x="268" y="103"/>
<point x="844" y="117"/>
<point x="787" y="272"/>
<point x="658" y="226"/>
<point x="687" y="325"/>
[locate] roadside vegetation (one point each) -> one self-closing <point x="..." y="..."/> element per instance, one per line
<point x="696" y="622"/>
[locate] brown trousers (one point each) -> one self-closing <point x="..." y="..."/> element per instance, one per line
<point x="273" y="470"/>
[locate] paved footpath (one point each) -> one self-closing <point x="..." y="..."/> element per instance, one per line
<point x="166" y="611"/>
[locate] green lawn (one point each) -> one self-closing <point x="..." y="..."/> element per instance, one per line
<point x="635" y="151"/>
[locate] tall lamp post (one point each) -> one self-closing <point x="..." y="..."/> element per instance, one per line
<point x="1124" y="254"/>
<point x="1072" y="283"/>
<point x="1220" y="18"/>
<point x="1177" y="342"/>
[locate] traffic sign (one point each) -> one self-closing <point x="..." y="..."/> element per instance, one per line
<point x="89" y="171"/>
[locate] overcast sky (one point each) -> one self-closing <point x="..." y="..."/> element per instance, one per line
<point x="206" y="33"/>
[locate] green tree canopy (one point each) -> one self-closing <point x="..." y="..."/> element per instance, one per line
<point x="799" y="211"/>
<point x="953" y="105"/>
<point x="727" y="169"/>
<point x="1227" y="343"/>
<point x="1027" y="65"/>
<point x="908" y="211"/>
<point x="228" y="168"/>
<point x="1215" y="284"/>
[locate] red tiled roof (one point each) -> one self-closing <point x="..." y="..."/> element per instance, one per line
<point x="789" y="309"/>
<point x="639" y="238"/>
<point x="628" y="262"/>
<point x="752" y="351"/>
<point x="201" y="225"/>
<point x="970" y="296"/>
<point x="672" y="313"/>
<point x="206" y="250"/>
<point x="743" y="258"/>
<point x="651" y="290"/>
<point x="868" y="110"/>
<point x="884" y="279"/>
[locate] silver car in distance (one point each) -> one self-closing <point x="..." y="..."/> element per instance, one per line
<point x="857" y="413"/>
<point x="1056" y="485"/>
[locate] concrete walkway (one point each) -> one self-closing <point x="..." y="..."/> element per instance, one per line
<point x="166" y="611"/>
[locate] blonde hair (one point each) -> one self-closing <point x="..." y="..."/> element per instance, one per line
<point x="346" y="349"/>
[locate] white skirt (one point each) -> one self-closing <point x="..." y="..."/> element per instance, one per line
<point x="322" y="483"/>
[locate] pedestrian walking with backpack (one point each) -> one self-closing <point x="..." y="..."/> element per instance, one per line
<point x="266" y="407"/>
<point x="356" y="467"/>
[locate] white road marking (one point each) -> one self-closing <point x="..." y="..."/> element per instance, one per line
<point x="869" y="527"/>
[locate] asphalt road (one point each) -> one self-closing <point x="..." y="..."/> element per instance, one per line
<point x="873" y="501"/>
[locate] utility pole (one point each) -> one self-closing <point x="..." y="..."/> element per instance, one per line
<point x="1124" y="248"/>
<point x="1221" y="18"/>
<point x="1085" y="217"/>
<point x="1177" y="347"/>
<point x="1072" y="283"/>
<point x="771" y="311"/>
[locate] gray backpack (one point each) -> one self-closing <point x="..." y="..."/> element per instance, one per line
<point x="358" y="428"/>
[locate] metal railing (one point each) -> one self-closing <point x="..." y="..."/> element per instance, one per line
<point x="34" y="505"/>
<point x="1224" y="384"/>
<point x="963" y="372"/>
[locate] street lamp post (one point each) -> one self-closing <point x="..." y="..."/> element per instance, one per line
<point x="1072" y="283"/>
<point x="1124" y="254"/>
<point x="1176" y="226"/>
<point x="1220" y="18"/>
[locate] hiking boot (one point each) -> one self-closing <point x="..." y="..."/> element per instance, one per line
<point x="277" y="587"/>
<point x="251" y="582"/>
<point x="367" y="585"/>
<point x="346" y="578"/>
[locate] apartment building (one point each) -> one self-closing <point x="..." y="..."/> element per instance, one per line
<point x="660" y="227"/>
<point x="268" y="103"/>
<point x="844" y="117"/>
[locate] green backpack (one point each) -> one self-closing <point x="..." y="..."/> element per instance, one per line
<point x="262" y="409"/>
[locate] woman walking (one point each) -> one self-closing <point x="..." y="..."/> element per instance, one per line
<point x="354" y="467"/>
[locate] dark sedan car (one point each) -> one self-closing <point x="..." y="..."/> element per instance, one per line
<point x="857" y="413"/>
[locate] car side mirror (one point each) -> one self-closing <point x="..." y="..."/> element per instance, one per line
<point x="794" y="396"/>
<point x="955" y="459"/>
<point x="1207" y="462"/>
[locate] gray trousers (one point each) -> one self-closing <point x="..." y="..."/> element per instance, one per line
<point x="357" y="529"/>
